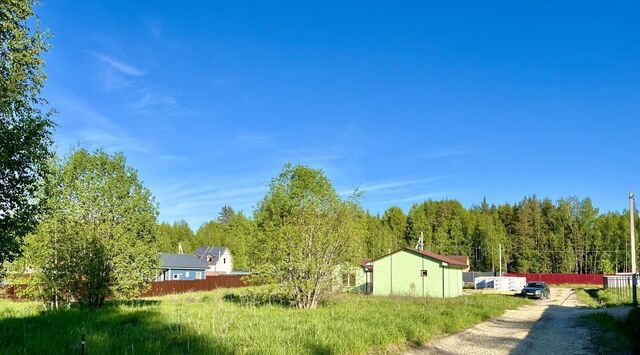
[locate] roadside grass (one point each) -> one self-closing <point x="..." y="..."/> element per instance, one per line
<point x="576" y="286"/>
<point x="598" y="297"/>
<point x="205" y="322"/>
<point x="615" y="336"/>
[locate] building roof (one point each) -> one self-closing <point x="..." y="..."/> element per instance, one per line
<point x="430" y="254"/>
<point x="366" y="264"/>
<point x="460" y="258"/>
<point x="214" y="251"/>
<point x="181" y="261"/>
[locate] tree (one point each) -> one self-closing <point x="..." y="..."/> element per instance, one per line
<point x="25" y="125"/>
<point x="305" y="231"/>
<point x="98" y="238"/>
<point x="170" y="235"/>
<point x="396" y="221"/>
<point x="226" y="213"/>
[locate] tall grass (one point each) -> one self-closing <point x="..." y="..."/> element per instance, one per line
<point x="207" y="323"/>
<point x="596" y="298"/>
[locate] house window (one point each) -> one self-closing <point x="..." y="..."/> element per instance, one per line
<point x="186" y="274"/>
<point x="423" y="273"/>
<point x="224" y="260"/>
<point x="349" y="279"/>
<point x="176" y="276"/>
<point x="198" y="275"/>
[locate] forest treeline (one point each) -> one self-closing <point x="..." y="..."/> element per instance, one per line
<point x="537" y="235"/>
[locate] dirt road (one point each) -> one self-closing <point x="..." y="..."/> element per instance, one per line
<point x="550" y="326"/>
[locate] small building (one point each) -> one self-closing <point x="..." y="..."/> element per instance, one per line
<point x="352" y="277"/>
<point x="218" y="259"/>
<point x="420" y="273"/>
<point x="181" y="267"/>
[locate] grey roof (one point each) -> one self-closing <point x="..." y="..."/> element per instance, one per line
<point x="214" y="251"/>
<point x="181" y="261"/>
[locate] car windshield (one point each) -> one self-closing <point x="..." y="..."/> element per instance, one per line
<point x="535" y="284"/>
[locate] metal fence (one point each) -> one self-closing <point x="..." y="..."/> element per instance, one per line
<point x="558" y="279"/>
<point x="620" y="285"/>
<point x="210" y="283"/>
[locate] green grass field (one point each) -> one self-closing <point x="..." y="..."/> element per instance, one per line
<point x="205" y="323"/>
<point x="598" y="297"/>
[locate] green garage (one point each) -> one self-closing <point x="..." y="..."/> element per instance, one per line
<point x="419" y="273"/>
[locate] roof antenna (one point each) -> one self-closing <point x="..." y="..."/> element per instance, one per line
<point x="180" y="251"/>
<point x="420" y="245"/>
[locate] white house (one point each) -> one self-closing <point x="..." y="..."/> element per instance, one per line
<point x="218" y="259"/>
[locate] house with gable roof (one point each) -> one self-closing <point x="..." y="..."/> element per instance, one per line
<point x="217" y="258"/>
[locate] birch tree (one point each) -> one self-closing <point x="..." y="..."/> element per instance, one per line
<point x="98" y="238"/>
<point x="304" y="230"/>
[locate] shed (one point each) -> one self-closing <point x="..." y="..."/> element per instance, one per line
<point x="420" y="273"/>
<point x="351" y="277"/>
<point x="181" y="267"/>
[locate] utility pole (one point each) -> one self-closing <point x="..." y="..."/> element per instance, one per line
<point x="634" y="271"/>
<point x="500" y="253"/>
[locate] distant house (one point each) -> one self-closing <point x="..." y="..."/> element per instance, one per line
<point x="181" y="267"/>
<point x="218" y="259"/>
<point x="422" y="273"/>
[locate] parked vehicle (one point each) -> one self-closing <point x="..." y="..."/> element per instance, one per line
<point x="536" y="289"/>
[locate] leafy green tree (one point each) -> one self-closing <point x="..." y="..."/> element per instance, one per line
<point x="25" y="125"/>
<point x="304" y="231"/>
<point x="98" y="238"/>
<point x="396" y="221"/>
<point x="171" y="235"/>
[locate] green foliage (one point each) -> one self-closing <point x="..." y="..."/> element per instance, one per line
<point x="303" y="231"/>
<point x="206" y="323"/>
<point x="170" y="235"/>
<point x="234" y="233"/>
<point x="98" y="237"/>
<point x="25" y="125"/>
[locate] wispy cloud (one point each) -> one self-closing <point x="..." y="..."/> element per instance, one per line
<point x="91" y="129"/>
<point x="122" y="67"/>
<point x="413" y="198"/>
<point x="198" y="203"/>
<point x="393" y="185"/>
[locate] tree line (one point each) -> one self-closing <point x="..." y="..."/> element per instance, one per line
<point x="537" y="235"/>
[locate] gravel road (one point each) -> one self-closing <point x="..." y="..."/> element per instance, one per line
<point x="546" y="327"/>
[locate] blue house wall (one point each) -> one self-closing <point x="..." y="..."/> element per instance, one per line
<point x="184" y="274"/>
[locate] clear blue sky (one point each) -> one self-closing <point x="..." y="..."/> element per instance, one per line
<point x="407" y="100"/>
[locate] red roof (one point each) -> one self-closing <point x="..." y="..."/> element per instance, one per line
<point x="456" y="261"/>
<point x="364" y="262"/>
<point x="460" y="258"/>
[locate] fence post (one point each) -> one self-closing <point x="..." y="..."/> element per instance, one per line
<point x="82" y="345"/>
<point x="634" y="290"/>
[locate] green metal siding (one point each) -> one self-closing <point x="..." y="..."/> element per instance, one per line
<point x="400" y="274"/>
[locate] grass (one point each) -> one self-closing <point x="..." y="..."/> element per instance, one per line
<point x="206" y="323"/>
<point x="598" y="297"/>
<point x="617" y="337"/>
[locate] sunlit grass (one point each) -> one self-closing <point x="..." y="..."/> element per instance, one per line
<point x="596" y="298"/>
<point x="206" y="323"/>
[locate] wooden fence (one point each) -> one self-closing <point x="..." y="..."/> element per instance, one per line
<point x="158" y="288"/>
<point x="557" y="279"/>
<point x="210" y="283"/>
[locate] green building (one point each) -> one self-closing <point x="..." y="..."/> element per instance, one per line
<point x="350" y="277"/>
<point x="420" y="273"/>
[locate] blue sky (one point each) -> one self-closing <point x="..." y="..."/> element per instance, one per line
<point x="406" y="100"/>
